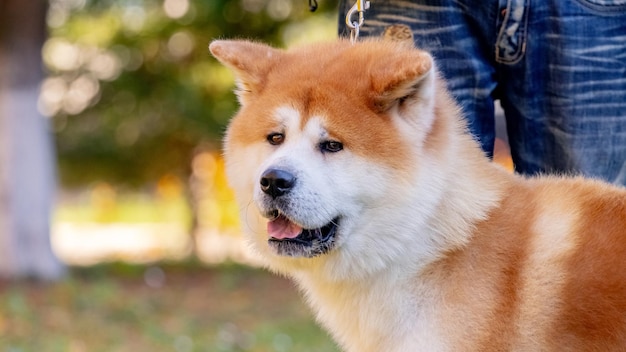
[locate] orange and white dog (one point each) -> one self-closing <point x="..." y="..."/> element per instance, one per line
<point x="356" y="177"/>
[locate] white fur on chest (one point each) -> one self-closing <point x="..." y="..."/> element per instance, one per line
<point x="387" y="313"/>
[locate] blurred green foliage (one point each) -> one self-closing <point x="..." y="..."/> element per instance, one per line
<point x="132" y="89"/>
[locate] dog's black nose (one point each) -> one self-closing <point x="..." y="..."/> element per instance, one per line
<point x="275" y="182"/>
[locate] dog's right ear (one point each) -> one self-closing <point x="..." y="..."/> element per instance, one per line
<point x="249" y="61"/>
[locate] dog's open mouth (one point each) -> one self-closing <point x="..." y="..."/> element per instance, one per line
<point x="290" y="239"/>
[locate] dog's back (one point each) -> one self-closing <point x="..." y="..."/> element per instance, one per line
<point x="546" y="271"/>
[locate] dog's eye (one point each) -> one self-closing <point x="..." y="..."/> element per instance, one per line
<point x="275" y="138"/>
<point x="331" y="146"/>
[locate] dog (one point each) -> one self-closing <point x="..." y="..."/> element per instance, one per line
<point x="356" y="177"/>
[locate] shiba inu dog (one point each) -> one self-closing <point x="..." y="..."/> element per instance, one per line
<point x="356" y="177"/>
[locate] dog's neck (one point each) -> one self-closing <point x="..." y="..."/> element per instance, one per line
<point x="470" y="184"/>
<point x="360" y="312"/>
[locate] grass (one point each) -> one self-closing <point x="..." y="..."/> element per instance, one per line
<point x="174" y="307"/>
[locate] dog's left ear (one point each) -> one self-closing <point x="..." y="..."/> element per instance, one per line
<point x="249" y="61"/>
<point x="404" y="75"/>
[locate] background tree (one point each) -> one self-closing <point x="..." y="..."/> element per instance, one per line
<point x="27" y="177"/>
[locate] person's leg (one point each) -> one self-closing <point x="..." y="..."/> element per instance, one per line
<point x="565" y="98"/>
<point x="457" y="34"/>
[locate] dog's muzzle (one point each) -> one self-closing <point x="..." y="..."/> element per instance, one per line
<point x="286" y="237"/>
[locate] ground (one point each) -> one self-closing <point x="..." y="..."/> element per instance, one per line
<point x="165" y="307"/>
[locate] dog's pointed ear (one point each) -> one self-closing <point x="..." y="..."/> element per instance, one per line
<point x="249" y="61"/>
<point x="404" y="75"/>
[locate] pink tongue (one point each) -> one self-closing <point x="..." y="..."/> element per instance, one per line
<point x="281" y="228"/>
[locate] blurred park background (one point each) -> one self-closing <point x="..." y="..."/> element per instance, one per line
<point x="117" y="229"/>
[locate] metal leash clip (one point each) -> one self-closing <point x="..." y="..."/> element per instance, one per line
<point x="359" y="7"/>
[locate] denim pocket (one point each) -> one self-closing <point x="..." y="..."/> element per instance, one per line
<point x="605" y="7"/>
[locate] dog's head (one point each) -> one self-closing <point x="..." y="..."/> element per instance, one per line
<point x="329" y="151"/>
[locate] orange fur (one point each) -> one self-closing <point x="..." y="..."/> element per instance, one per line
<point x="588" y="296"/>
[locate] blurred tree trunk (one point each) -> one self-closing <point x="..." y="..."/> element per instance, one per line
<point x="27" y="172"/>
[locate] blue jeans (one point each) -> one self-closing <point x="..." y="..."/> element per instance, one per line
<point x="558" y="68"/>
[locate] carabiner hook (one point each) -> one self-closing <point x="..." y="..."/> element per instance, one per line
<point x="359" y="7"/>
